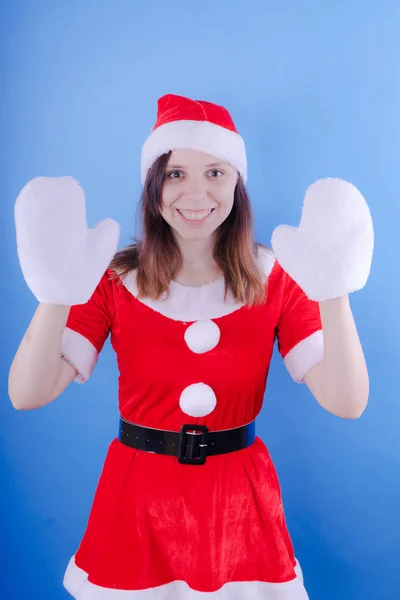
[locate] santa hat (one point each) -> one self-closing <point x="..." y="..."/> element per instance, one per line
<point x="183" y="123"/>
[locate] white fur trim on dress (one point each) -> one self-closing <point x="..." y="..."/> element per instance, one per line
<point x="306" y="355"/>
<point x="195" y="135"/>
<point x="197" y="303"/>
<point x="77" y="584"/>
<point x="80" y="353"/>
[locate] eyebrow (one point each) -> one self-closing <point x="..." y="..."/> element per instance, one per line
<point x="207" y="166"/>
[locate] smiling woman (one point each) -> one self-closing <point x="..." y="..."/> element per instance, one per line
<point x="194" y="310"/>
<point x="197" y="224"/>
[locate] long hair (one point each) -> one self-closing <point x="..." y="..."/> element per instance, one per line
<point x="156" y="256"/>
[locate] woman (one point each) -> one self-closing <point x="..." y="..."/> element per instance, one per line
<point x="188" y="505"/>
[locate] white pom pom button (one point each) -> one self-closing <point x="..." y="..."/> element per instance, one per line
<point x="198" y="400"/>
<point x="202" y="336"/>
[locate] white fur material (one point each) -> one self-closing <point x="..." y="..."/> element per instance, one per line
<point x="202" y="336"/>
<point x="195" y="135"/>
<point x="306" y="355"/>
<point x="61" y="259"/>
<point x="80" y="353"/>
<point x="198" y="303"/>
<point x="77" y="584"/>
<point x="330" y="253"/>
<point x="198" y="400"/>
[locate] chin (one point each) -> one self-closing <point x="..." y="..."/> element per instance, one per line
<point x="193" y="235"/>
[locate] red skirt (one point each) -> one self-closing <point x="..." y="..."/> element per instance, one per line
<point x="161" y="530"/>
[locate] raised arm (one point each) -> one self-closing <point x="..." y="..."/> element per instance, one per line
<point x="62" y="262"/>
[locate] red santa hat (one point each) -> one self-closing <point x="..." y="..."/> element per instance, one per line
<point x="183" y="123"/>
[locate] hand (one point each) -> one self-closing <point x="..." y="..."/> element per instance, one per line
<point x="61" y="259"/>
<point x="329" y="254"/>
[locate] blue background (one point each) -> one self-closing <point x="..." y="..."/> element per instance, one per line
<point x="314" y="89"/>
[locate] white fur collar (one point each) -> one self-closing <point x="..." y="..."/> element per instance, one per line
<point x="195" y="303"/>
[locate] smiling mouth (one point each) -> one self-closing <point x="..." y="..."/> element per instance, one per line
<point x="195" y="215"/>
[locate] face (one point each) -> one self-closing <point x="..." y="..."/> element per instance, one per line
<point x="197" y="194"/>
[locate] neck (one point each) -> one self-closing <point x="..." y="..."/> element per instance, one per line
<point x="198" y="264"/>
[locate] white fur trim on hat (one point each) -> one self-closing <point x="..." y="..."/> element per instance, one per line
<point x="203" y="136"/>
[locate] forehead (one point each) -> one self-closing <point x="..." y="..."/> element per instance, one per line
<point x="195" y="159"/>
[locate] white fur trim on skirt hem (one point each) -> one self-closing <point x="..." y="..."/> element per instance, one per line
<point x="77" y="584"/>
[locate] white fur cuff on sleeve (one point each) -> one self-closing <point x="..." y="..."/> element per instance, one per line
<point x="305" y="356"/>
<point x="79" y="352"/>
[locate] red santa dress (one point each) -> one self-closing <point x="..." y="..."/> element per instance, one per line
<point x="163" y="530"/>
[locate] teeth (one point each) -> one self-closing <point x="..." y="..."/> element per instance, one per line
<point x="195" y="215"/>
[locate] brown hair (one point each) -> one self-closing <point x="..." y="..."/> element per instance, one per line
<point x="157" y="258"/>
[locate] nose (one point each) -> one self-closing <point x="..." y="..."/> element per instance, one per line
<point x="195" y="189"/>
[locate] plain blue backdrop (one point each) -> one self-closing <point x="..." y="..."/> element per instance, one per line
<point x="314" y="89"/>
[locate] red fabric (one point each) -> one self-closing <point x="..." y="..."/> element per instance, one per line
<point x="93" y="320"/>
<point x="153" y="520"/>
<point x="179" y="108"/>
<point x="299" y="317"/>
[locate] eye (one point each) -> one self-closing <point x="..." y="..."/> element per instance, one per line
<point x="216" y="173"/>
<point x="171" y="174"/>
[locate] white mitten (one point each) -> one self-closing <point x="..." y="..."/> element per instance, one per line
<point x="330" y="253"/>
<point x="61" y="259"/>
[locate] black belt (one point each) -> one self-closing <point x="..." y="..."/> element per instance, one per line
<point x="191" y="445"/>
